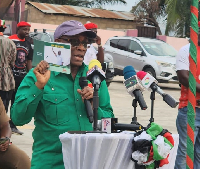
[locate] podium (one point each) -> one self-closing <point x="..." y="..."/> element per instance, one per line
<point x="103" y="151"/>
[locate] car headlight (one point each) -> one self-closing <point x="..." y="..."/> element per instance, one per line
<point x="163" y="64"/>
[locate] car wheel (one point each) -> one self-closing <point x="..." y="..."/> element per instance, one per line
<point x="150" y="71"/>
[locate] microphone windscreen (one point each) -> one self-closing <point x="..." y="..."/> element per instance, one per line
<point x="128" y="72"/>
<point x="93" y="63"/>
<point x="141" y="74"/>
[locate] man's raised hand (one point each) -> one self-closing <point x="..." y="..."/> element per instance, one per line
<point x="42" y="74"/>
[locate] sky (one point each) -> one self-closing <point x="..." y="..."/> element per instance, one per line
<point x="128" y="7"/>
<point x="122" y="7"/>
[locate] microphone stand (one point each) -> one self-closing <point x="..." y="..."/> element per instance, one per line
<point x="152" y="97"/>
<point x="96" y="84"/>
<point x="95" y="108"/>
<point x="134" y="119"/>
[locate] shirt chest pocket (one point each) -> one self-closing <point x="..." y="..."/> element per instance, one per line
<point x="56" y="108"/>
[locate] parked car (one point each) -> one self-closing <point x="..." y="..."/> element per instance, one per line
<point x="42" y="36"/>
<point x="107" y="66"/>
<point x="150" y="55"/>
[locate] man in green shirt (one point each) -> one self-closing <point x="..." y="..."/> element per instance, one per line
<point x="55" y="99"/>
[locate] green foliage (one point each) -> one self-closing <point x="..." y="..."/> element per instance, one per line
<point x="150" y="10"/>
<point x="178" y="17"/>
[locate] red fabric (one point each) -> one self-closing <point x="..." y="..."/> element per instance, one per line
<point x="164" y="161"/>
<point x="184" y="90"/>
<point x="23" y="24"/>
<point x="199" y="23"/>
<point x="15" y="37"/>
<point x="150" y="156"/>
<point x="90" y="26"/>
<point x="1" y="34"/>
<point x="169" y="137"/>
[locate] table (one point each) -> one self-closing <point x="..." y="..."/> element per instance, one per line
<point x="102" y="151"/>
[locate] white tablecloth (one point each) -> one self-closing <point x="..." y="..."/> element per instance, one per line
<point x="102" y="151"/>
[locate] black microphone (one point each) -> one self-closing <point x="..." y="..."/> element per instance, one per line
<point x="95" y="74"/>
<point x="83" y="83"/>
<point x="133" y="86"/>
<point x="149" y="82"/>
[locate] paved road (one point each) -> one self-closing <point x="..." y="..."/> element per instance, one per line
<point x="123" y="110"/>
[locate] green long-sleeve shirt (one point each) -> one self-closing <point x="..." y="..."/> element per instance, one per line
<point x="57" y="108"/>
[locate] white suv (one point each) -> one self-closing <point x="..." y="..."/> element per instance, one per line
<point x="151" y="55"/>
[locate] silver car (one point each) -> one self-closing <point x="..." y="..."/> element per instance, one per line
<point x="151" y="55"/>
<point x="42" y="36"/>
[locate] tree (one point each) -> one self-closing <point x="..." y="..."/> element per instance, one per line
<point x="84" y="3"/>
<point x="150" y="11"/>
<point x="178" y="17"/>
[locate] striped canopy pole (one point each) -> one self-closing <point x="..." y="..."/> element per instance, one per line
<point x="192" y="84"/>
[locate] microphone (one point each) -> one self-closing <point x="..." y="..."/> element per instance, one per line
<point x="83" y="83"/>
<point x="111" y="125"/>
<point x="133" y="86"/>
<point x="95" y="74"/>
<point x="149" y="81"/>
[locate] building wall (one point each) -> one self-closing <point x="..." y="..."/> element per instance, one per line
<point x="104" y="34"/>
<point x="177" y="43"/>
<point x="37" y="16"/>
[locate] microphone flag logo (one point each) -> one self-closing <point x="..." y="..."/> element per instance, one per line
<point x="132" y="81"/>
<point x="146" y="81"/>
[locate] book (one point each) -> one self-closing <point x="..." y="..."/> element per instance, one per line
<point x="58" y="55"/>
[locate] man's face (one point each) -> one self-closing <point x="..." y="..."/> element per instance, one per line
<point x="21" y="57"/>
<point x="24" y="31"/>
<point x="59" y="52"/>
<point x="78" y="48"/>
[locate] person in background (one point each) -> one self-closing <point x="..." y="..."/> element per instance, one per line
<point x="55" y="99"/>
<point x="20" y="70"/>
<point x="11" y="157"/>
<point x="92" y="53"/>
<point x="182" y="68"/>
<point x="7" y="61"/>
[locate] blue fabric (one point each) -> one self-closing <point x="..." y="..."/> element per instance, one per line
<point x="181" y="124"/>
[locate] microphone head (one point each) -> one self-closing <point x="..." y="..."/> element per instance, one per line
<point x="83" y="82"/>
<point x="95" y="72"/>
<point x="128" y="72"/>
<point x="93" y="63"/>
<point x="141" y="74"/>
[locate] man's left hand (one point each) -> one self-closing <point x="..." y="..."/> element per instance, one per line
<point x="86" y="93"/>
<point x="98" y="40"/>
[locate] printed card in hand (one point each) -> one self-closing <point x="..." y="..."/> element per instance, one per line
<point x="58" y="55"/>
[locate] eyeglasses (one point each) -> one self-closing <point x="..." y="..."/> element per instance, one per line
<point x="76" y="42"/>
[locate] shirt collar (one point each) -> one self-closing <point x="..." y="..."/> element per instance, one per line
<point x="15" y="37"/>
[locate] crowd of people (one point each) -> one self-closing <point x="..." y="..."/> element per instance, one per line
<point x="55" y="100"/>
